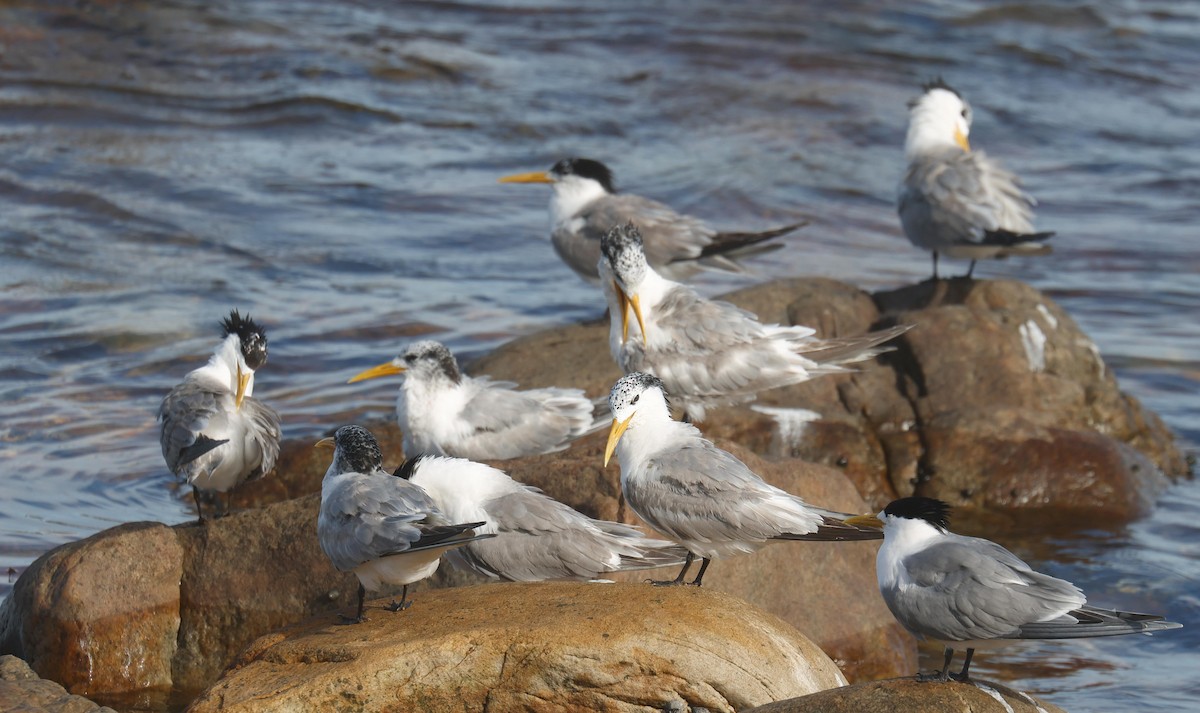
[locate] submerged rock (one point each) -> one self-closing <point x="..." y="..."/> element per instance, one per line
<point x="22" y="691"/>
<point x="532" y="647"/>
<point x="906" y="694"/>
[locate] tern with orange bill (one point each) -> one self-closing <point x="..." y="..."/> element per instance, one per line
<point x="585" y="205"/>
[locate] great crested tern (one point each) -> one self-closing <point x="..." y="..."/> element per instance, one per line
<point x="709" y="353"/>
<point x="445" y="412"/>
<point x="537" y="537"/>
<point x="384" y="529"/>
<point x="689" y="491"/>
<point x="214" y="433"/>
<point x="956" y="201"/>
<point x="967" y="592"/>
<point x="585" y="205"/>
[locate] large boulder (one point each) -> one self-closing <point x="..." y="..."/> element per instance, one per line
<point x="994" y="400"/>
<point x="22" y="691"/>
<point x="532" y="647"/>
<point x="907" y="694"/>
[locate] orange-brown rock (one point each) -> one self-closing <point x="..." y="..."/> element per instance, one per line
<point x="907" y="694"/>
<point x="532" y="647"/>
<point x="21" y="691"/>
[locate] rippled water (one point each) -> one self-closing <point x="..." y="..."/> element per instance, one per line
<point x="331" y="167"/>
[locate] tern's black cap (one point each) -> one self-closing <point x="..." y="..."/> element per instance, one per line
<point x="252" y="336"/>
<point x="934" y="512"/>
<point x="586" y="168"/>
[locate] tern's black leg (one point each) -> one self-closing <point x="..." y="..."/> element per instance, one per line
<point x="700" y="575"/>
<point x="935" y="275"/>
<point x="199" y="507"/>
<point x="962" y="675"/>
<point x="357" y="618"/>
<point x="970" y="270"/>
<point x="942" y="675"/>
<point x="687" y="564"/>
<point x="403" y="603"/>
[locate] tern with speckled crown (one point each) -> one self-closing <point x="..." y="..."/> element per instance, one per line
<point x="585" y="205"/>
<point x="970" y="593"/>
<point x="215" y="435"/>
<point x="693" y="493"/>
<point x="956" y="201"/>
<point x="709" y="353"/>
<point x="385" y="530"/>
<point x="445" y="412"/>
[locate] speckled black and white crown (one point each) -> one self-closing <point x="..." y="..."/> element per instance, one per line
<point x="939" y="83"/>
<point x="629" y="388"/>
<point x="934" y="512"/>
<point x="622" y="247"/>
<point x="251" y="335"/>
<point x="585" y="168"/>
<point x="357" y="450"/>
<point x="434" y="356"/>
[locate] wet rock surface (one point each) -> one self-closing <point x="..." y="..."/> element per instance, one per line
<point x="906" y="694"/>
<point x="22" y="691"/>
<point x="532" y="647"/>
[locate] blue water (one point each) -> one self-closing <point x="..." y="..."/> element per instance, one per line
<point x="331" y="167"/>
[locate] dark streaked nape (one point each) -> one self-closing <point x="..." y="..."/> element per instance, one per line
<point x="434" y="352"/>
<point x="618" y="239"/>
<point x="358" y="450"/>
<point x="586" y="168"/>
<point x="935" y="512"/>
<point x="408" y="467"/>
<point x="939" y="83"/>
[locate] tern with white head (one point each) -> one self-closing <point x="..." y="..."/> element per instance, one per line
<point x="956" y="201"/>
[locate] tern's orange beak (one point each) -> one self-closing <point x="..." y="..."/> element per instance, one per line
<point x="531" y="177"/>
<point x="961" y="139"/>
<point x="324" y="443"/>
<point x="243" y="382"/>
<point x="375" y="372"/>
<point x="865" y="521"/>
<point x="614" y="435"/>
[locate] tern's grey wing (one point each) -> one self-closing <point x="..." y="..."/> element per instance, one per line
<point x="367" y="516"/>
<point x="949" y="199"/>
<point x="540" y="538"/>
<point x="966" y="588"/>
<point x="264" y="431"/>
<point x="700" y="492"/>
<point x="667" y="236"/>
<point x="185" y="412"/>
<point x="506" y="424"/>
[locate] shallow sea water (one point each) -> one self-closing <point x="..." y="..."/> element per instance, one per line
<point x="331" y="167"/>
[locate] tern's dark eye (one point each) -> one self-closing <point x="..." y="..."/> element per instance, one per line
<point x="964" y="113"/>
<point x="410" y="358"/>
<point x="635" y="399"/>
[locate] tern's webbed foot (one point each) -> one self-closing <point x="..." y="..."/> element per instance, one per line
<point x="347" y="620"/>
<point x="928" y="676"/>
<point x="667" y="583"/>
<point x="399" y="605"/>
<point x="960" y="677"/>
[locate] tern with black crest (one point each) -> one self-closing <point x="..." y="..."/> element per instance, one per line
<point x="709" y="353"/>
<point x="537" y="537"/>
<point x="693" y="493"/>
<point x="214" y="434"/>
<point x="585" y="205"/>
<point x="971" y="593"/>
<point x="442" y="411"/>
<point x="385" y="530"/>
<point x="954" y="200"/>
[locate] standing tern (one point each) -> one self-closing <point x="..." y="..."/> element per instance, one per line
<point x="704" y="498"/>
<point x="967" y="592"/>
<point x="214" y="434"/>
<point x="585" y="205"/>
<point x="957" y="201"/>
<point x="386" y="530"/>
<point x="709" y="353"/>
<point x="444" y="412"/>
<point x="537" y="537"/>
